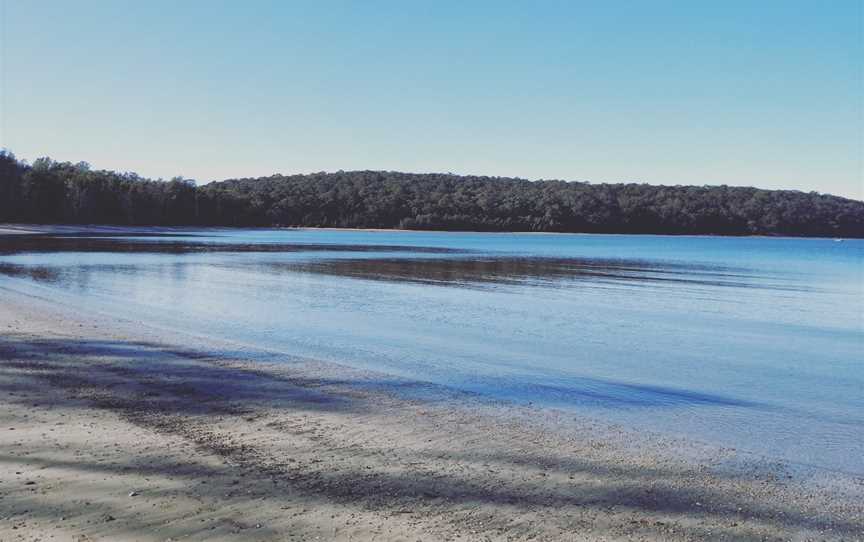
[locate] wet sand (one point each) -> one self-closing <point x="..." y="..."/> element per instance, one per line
<point x="116" y="430"/>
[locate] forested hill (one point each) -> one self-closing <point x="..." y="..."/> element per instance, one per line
<point x="48" y="191"/>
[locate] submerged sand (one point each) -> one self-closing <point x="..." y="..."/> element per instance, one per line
<point x="115" y="430"/>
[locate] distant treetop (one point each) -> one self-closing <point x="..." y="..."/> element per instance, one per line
<point x="54" y="192"/>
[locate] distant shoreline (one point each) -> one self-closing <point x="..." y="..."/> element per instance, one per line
<point x="76" y="194"/>
<point x="49" y="229"/>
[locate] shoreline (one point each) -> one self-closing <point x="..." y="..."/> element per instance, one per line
<point x="216" y="445"/>
<point x="60" y="229"/>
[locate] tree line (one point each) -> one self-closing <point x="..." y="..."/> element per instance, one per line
<point x="47" y="191"/>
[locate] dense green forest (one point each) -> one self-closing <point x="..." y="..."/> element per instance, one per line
<point x="61" y="192"/>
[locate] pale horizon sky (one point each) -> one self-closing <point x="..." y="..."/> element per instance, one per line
<point x="766" y="94"/>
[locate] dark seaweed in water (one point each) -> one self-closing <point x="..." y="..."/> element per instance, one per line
<point x="33" y="272"/>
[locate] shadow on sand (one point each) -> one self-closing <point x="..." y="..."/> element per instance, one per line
<point x="398" y="458"/>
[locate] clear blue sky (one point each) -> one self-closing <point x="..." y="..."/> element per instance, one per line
<point x="765" y="93"/>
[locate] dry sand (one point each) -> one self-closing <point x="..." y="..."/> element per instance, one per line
<point x="113" y="430"/>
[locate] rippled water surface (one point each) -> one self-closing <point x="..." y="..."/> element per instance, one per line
<point x="754" y="343"/>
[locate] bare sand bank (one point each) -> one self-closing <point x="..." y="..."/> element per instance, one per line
<point x="112" y="430"/>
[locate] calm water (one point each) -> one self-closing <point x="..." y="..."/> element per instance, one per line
<point x="746" y="342"/>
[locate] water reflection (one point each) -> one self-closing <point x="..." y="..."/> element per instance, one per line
<point x="441" y="266"/>
<point x="503" y="270"/>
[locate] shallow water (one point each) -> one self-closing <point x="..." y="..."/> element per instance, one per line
<point x="754" y="343"/>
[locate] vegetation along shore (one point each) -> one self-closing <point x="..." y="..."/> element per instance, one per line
<point x="61" y="192"/>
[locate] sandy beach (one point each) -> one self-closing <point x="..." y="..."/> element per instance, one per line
<point x="116" y="430"/>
